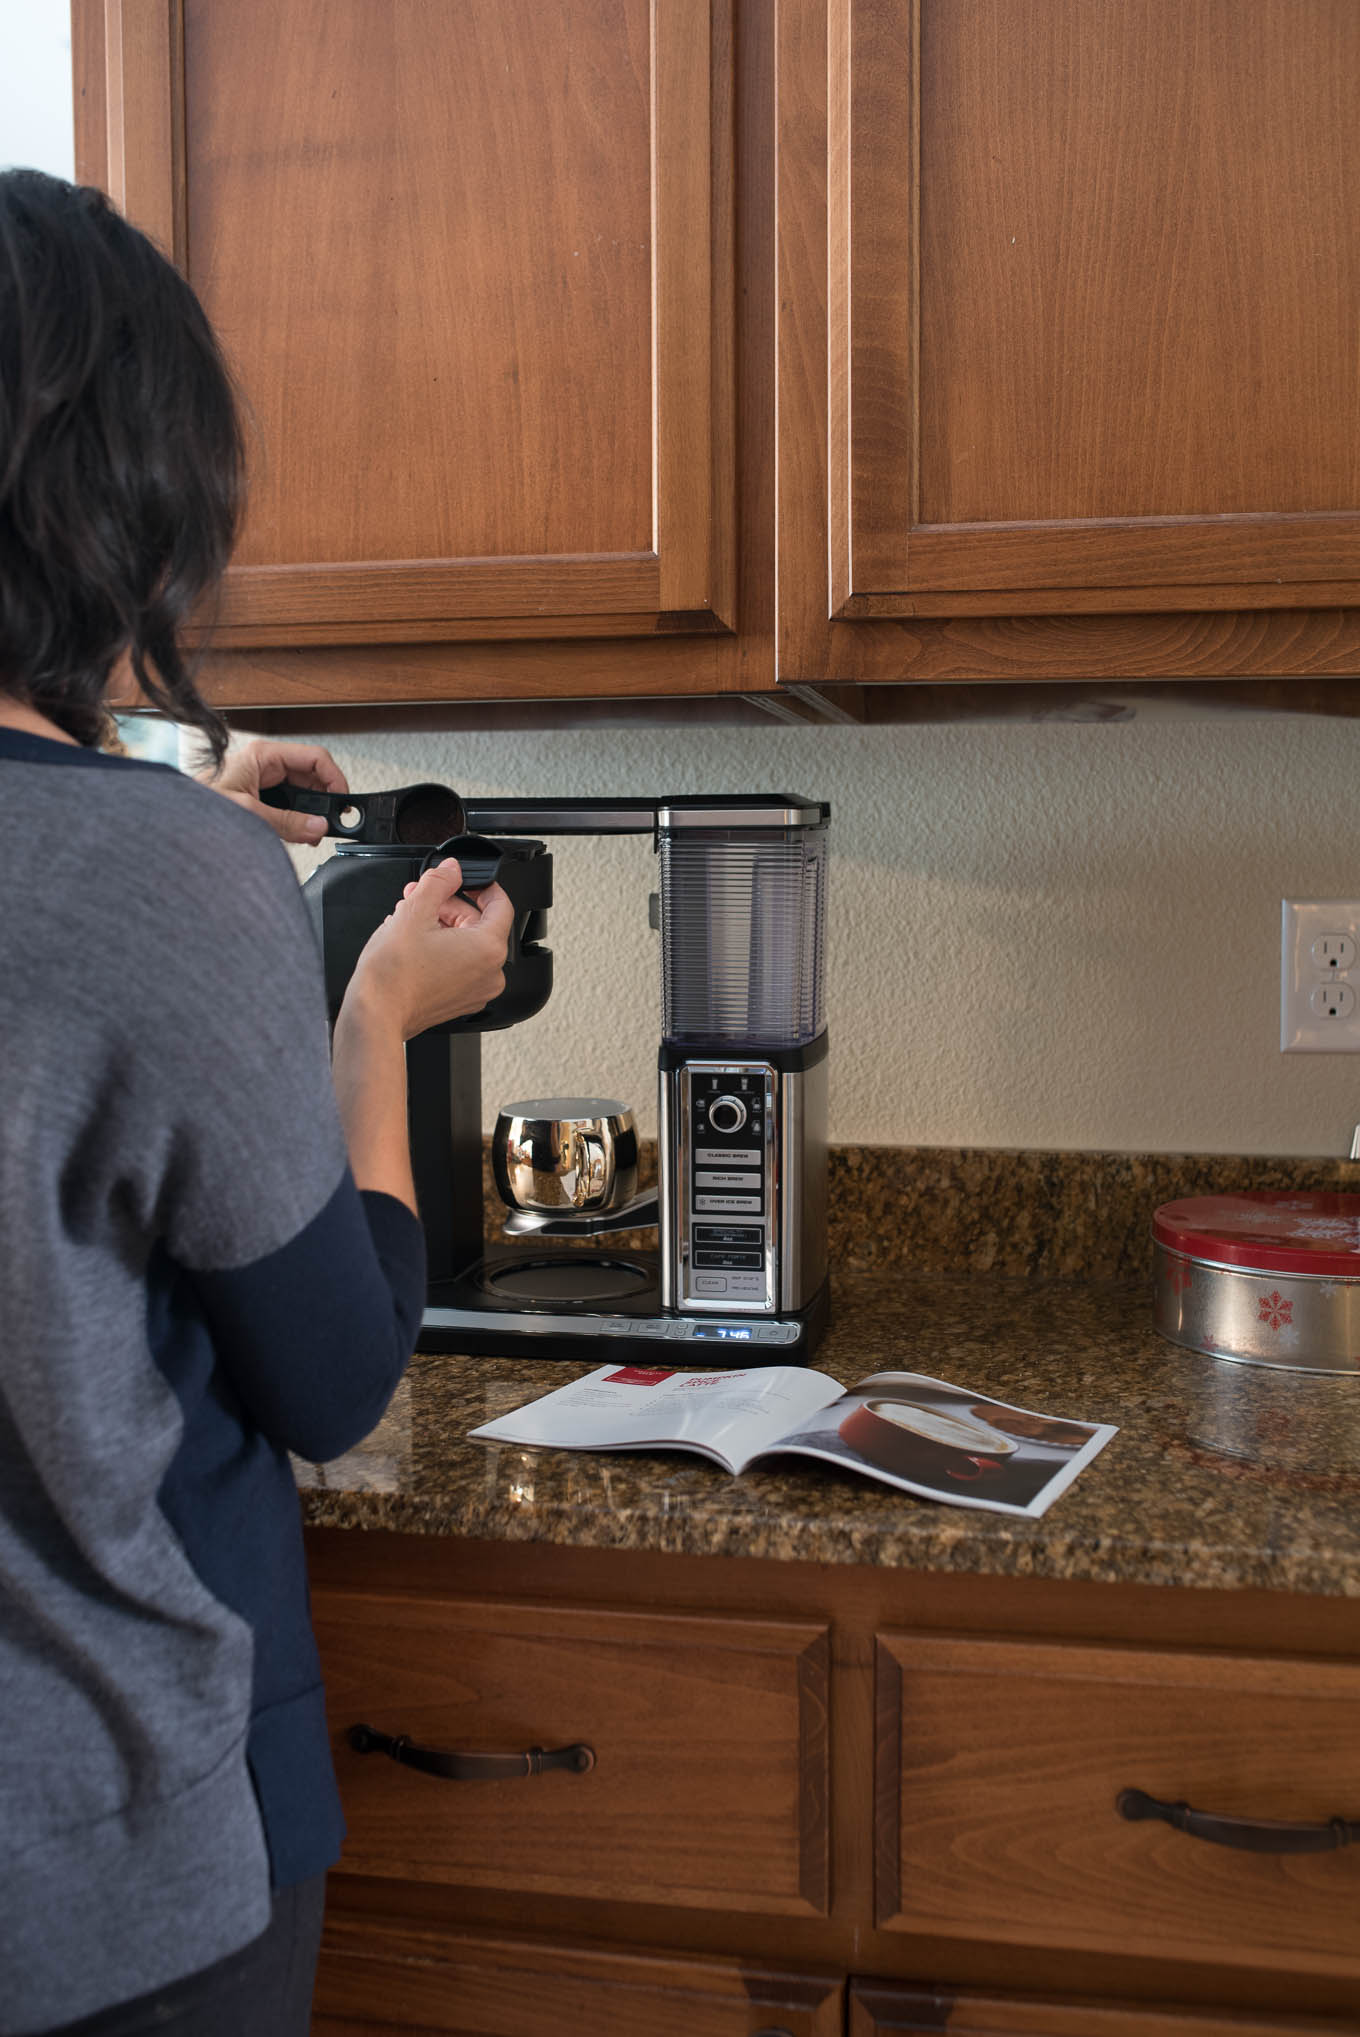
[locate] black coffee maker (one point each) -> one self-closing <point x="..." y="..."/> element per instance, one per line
<point x="740" y="1205"/>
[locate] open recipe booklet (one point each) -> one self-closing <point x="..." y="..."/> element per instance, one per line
<point x="922" y="1435"/>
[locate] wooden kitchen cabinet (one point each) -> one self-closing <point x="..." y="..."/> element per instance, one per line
<point x="463" y="1986"/>
<point x="708" y="1749"/>
<point x="608" y="348"/>
<point x="828" y="1799"/>
<point x="886" y="2011"/>
<point x="472" y="261"/>
<point x="1069" y="310"/>
<point x="1000" y="1766"/>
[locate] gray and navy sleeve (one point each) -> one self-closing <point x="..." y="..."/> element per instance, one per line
<point x="312" y="1291"/>
<point x="316" y="1334"/>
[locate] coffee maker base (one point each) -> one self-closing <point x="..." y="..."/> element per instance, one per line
<point x="485" y="1315"/>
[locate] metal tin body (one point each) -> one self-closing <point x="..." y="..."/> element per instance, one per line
<point x="1301" y="1322"/>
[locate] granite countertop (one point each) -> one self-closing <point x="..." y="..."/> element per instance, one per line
<point x="1222" y="1476"/>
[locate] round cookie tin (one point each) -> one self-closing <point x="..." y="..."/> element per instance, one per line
<point x="1266" y="1277"/>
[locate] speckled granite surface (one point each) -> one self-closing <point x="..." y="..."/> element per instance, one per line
<point x="1222" y="1476"/>
<point x="1074" y="1215"/>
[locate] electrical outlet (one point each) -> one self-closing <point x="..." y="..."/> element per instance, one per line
<point x="1319" y="978"/>
<point x="1332" y="1000"/>
<point x="1333" y="953"/>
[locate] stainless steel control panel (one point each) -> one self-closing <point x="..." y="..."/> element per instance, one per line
<point x="728" y="1203"/>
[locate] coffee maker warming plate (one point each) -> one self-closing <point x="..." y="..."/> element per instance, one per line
<point x="572" y="1278"/>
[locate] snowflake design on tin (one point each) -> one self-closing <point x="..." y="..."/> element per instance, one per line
<point x="1178" y="1275"/>
<point x="1328" y="1227"/>
<point x="1298" y="1202"/>
<point x="1257" y="1219"/>
<point x="1275" y="1310"/>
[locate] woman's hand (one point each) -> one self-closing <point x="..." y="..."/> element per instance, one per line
<point x="250" y="769"/>
<point x="435" y="957"/>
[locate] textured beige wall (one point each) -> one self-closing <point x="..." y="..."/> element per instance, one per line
<point x="1060" y="935"/>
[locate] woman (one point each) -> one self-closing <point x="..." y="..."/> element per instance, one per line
<point x="209" y="1252"/>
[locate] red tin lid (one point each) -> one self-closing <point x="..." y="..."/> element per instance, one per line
<point x="1266" y="1230"/>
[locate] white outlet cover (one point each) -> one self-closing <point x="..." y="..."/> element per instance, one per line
<point x="1305" y="1028"/>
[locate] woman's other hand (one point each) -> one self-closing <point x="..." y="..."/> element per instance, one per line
<point x="435" y="957"/>
<point x="254" y="766"/>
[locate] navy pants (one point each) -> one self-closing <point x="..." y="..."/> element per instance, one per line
<point x="264" y="1990"/>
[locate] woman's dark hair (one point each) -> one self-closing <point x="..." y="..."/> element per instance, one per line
<point x="121" y="460"/>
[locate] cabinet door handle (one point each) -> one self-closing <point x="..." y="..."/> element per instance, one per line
<point x="1249" y="1835"/>
<point x="575" y="1760"/>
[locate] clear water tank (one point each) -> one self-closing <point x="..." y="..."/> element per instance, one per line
<point x="743" y="920"/>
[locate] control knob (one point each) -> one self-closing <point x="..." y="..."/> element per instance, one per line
<point x="726" y="1114"/>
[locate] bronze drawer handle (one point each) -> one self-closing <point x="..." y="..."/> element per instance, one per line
<point x="576" y="1760"/>
<point x="1248" y="1835"/>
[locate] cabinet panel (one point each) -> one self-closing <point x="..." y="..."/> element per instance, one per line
<point x="386" y="1979"/>
<point x="472" y="264"/>
<point x="1064" y="323"/>
<point x="999" y="1769"/>
<point x="709" y="1784"/>
<point x="1100" y="320"/>
<point x="878" y="2010"/>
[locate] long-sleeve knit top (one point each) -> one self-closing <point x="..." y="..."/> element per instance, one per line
<point x="191" y="1286"/>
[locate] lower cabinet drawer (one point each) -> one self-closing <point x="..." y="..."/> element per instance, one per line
<point x="390" y="1980"/>
<point x="707" y="1783"/>
<point x="1000" y="1770"/>
<point x="879" y="2010"/>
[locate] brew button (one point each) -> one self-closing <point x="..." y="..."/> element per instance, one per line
<point x="709" y="1283"/>
<point x="727" y="1179"/>
<point x="727" y="1156"/>
<point x="730" y="1205"/>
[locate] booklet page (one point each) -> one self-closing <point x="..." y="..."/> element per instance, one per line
<point x="732" y="1416"/>
<point x="946" y="1442"/>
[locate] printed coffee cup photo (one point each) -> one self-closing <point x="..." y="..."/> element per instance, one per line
<point x="926" y="1443"/>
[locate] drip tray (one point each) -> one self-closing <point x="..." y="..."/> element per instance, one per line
<point x="571" y="1278"/>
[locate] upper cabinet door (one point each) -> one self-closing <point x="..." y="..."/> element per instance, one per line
<point x="1090" y="292"/>
<point x="471" y="264"/>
